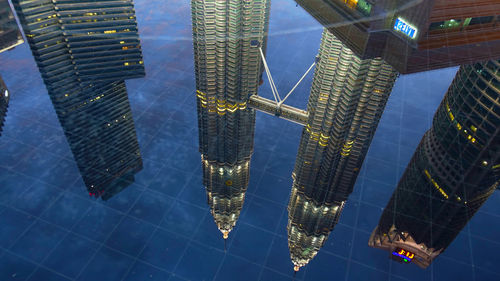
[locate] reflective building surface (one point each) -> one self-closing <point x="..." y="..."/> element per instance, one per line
<point x="347" y="98"/>
<point x="452" y="173"/>
<point x="414" y="35"/>
<point x="228" y="70"/>
<point x="250" y="140"/>
<point x="78" y="48"/>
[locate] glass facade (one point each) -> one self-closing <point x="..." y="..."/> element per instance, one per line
<point x="347" y="98"/>
<point x="228" y="70"/>
<point x="84" y="51"/>
<point x="452" y="172"/>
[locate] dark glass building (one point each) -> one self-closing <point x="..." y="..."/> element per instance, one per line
<point x="228" y="69"/>
<point x="4" y="103"/>
<point x="84" y="50"/>
<point x="10" y="35"/>
<point x="454" y="169"/>
<point x="347" y="98"/>
<point x="413" y="35"/>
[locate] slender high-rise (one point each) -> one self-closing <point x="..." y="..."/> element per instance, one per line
<point x="347" y="98"/>
<point x="226" y="39"/>
<point x="84" y="50"/>
<point x="10" y="35"/>
<point x="454" y="169"/>
<point x="4" y="102"/>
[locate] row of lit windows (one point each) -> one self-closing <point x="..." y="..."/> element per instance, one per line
<point x="459" y="126"/>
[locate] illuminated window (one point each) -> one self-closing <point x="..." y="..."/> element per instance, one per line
<point x="364" y="7"/>
<point x="452" y="23"/>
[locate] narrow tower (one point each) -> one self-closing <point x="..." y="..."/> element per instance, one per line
<point x="454" y="169"/>
<point x="226" y="39"/>
<point x="84" y="50"/>
<point x="347" y="98"/>
<point x="4" y="102"/>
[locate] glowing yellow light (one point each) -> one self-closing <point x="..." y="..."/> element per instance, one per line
<point x="436" y="185"/>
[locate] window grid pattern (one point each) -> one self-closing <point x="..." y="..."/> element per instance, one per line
<point x="347" y="98"/>
<point x="452" y="172"/>
<point x="228" y="70"/>
<point x="84" y="51"/>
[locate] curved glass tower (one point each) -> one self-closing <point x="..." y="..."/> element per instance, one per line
<point x="454" y="169"/>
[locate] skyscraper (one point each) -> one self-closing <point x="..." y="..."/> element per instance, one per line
<point x="84" y="50"/>
<point x="10" y="35"/>
<point x="413" y="35"/>
<point x="226" y="37"/>
<point x="226" y="186"/>
<point x="4" y="103"/>
<point x="348" y="95"/>
<point x="454" y="169"/>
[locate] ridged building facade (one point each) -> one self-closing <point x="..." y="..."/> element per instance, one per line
<point x="10" y="35"/>
<point x="228" y="68"/>
<point x="4" y="103"/>
<point x="84" y="51"/>
<point x="454" y="169"/>
<point x="347" y="98"/>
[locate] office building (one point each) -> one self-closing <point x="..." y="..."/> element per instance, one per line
<point x="413" y="35"/>
<point x="226" y="37"/>
<point x="347" y="98"/>
<point x="454" y="169"/>
<point x="84" y="50"/>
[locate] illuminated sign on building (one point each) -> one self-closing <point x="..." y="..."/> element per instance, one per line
<point x="407" y="29"/>
<point x="403" y="255"/>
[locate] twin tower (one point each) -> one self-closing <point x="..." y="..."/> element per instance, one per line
<point x="454" y="170"/>
<point x="86" y="49"/>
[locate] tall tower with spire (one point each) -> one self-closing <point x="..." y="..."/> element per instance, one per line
<point x="347" y="98"/>
<point x="84" y="51"/>
<point x="454" y="169"/>
<point x="226" y="37"/>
